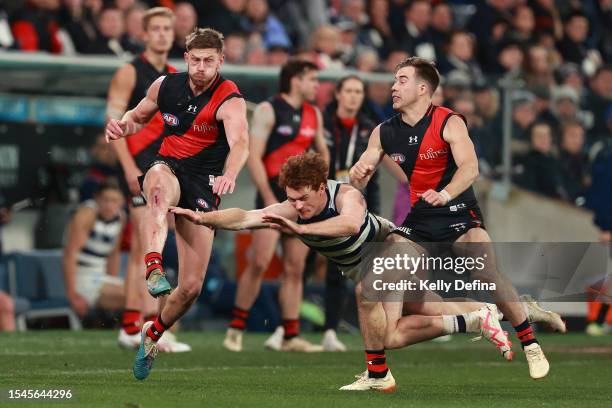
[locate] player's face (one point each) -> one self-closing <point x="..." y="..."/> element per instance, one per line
<point x="109" y="203"/>
<point x="159" y="34"/>
<point x="203" y="65"/>
<point x="406" y="88"/>
<point x="306" y="201"/>
<point x="350" y="96"/>
<point x="308" y="84"/>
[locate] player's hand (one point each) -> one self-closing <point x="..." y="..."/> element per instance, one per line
<point x="224" y="185"/>
<point x="282" y="224"/>
<point x="434" y="198"/>
<point x="115" y="129"/>
<point x="78" y="304"/>
<point x="131" y="177"/>
<point x="361" y="171"/>
<point x="191" y="215"/>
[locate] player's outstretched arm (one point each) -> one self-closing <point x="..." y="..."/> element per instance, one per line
<point x="135" y="119"/>
<point x="456" y="135"/>
<point x="361" y="173"/>
<point x="236" y="218"/>
<point x="233" y="114"/>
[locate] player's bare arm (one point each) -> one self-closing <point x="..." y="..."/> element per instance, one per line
<point x="456" y="135"/>
<point x="235" y="219"/>
<point x="361" y="173"/>
<point x="261" y="126"/>
<point x="119" y="92"/>
<point x="233" y="114"/>
<point x="78" y="231"/>
<point x="395" y="170"/>
<point x="319" y="142"/>
<point x="351" y="207"/>
<point x="135" y="119"/>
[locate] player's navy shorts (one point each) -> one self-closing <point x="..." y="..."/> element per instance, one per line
<point x="143" y="161"/>
<point x="440" y="224"/>
<point x="196" y="189"/>
<point x="279" y="193"/>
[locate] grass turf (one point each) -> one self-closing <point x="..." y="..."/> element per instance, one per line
<point x="458" y="373"/>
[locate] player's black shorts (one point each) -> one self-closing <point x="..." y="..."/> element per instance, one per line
<point x="143" y="161"/>
<point x="279" y="193"/>
<point x="196" y="189"/>
<point x="440" y="224"/>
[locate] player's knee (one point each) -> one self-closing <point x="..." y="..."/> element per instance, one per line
<point x="259" y="264"/>
<point x="190" y="290"/>
<point x="293" y="269"/>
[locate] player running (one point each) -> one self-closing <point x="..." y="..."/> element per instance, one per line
<point x="432" y="146"/>
<point x="285" y="125"/>
<point x="204" y="148"/>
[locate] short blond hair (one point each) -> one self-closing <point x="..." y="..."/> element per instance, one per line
<point x="202" y="38"/>
<point x="156" y="12"/>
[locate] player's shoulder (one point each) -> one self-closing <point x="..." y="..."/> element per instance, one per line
<point x="393" y="121"/>
<point x="227" y="85"/>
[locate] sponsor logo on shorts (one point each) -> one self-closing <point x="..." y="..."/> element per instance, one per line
<point x="457" y="207"/>
<point x="284" y="130"/>
<point x="202" y="203"/>
<point x="460" y="226"/>
<point x="398" y="158"/>
<point x="170" y="119"/>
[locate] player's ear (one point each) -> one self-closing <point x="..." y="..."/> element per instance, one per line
<point x="186" y="57"/>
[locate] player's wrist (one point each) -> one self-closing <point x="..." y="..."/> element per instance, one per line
<point x="446" y="196"/>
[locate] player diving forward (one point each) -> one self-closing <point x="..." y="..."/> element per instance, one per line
<point x="332" y="218"/>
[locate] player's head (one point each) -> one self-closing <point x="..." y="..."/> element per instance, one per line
<point x="415" y="78"/>
<point x="299" y="76"/>
<point x="158" y="27"/>
<point x="109" y="199"/>
<point x="304" y="178"/>
<point x="204" y="55"/>
<point x="350" y="93"/>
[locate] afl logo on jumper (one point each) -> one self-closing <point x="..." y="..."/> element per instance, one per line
<point x="284" y="130"/>
<point x="170" y="119"/>
<point x="202" y="203"/>
<point x="398" y="158"/>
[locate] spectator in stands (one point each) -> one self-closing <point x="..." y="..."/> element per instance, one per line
<point x="565" y="107"/>
<point x="547" y="18"/>
<point x="377" y="32"/>
<point x="91" y="255"/>
<point x="78" y="19"/>
<point x="132" y="39"/>
<point x="278" y="55"/>
<point x="35" y="26"/>
<point x="185" y="20"/>
<point x="367" y="60"/>
<point x="259" y="19"/>
<point x="488" y="25"/>
<point x="442" y="26"/>
<point x="354" y="11"/>
<point x="599" y="101"/>
<point x="569" y="74"/>
<point x="103" y="166"/>
<point x="228" y="19"/>
<point x="111" y="27"/>
<point x="378" y="104"/>
<point x="574" y="46"/>
<point x="464" y="104"/>
<point x="7" y="313"/>
<point x="455" y="83"/>
<point x="509" y="60"/>
<point x="256" y="55"/>
<point x="460" y="55"/>
<point x="523" y="117"/>
<point x="326" y="44"/>
<point x="537" y="68"/>
<point x="301" y="18"/>
<point x="394" y="58"/>
<point x="415" y="36"/>
<point x="125" y="5"/>
<point x="235" y="48"/>
<point x="539" y="170"/>
<point x="574" y="161"/>
<point x="523" y="25"/>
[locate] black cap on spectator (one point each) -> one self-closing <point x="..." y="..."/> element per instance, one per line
<point x="521" y="97"/>
<point x="481" y="84"/>
<point x="457" y="79"/>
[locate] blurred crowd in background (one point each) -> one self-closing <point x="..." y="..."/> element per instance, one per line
<point x="557" y="52"/>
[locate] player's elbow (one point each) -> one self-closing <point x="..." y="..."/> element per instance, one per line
<point x="353" y="226"/>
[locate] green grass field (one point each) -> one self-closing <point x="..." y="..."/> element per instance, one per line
<point x="458" y="373"/>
